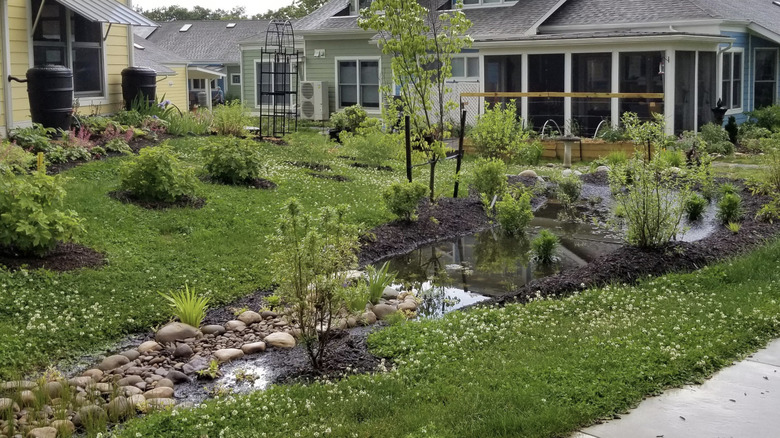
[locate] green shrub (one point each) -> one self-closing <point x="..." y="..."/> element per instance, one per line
<point x="489" y="178"/>
<point x="33" y="219"/>
<point x="34" y="138"/>
<point x="767" y="117"/>
<point x="730" y="208"/>
<point x="716" y="139"/>
<point x="232" y="118"/>
<point x="672" y="157"/>
<point x="727" y="189"/>
<point x="372" y="147"/>
<point x="190" y="123"/>
<point x="652" y="202"/>
<point x="612" y="135"/>
<point x="189" y="307"/>
<point x="15" y="159"/>
<point x="310" y="146"/>
<point x="66" y="153"/>
<point x="157" y="175"/>
<point x="694" y="206"/>
<point x="616" y="158"/>
<point x="514" y="212"/>
<point x="569" y="188"/>
<point x="544" y="247"/>
<point x="378" y="280"/>
<point x="498" y="132"/>
<point x="129" y="118"/>
<point x="349" y="118"/>
<point x="355" y="298"/>
<point x="529" y="152"/>
<point x="117" y="145"/>
<point x="232" y="160"/>
<point x="732" y="129"/>
<point x="402" y="199"/>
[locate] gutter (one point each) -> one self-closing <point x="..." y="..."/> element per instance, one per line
<point x="7" y="87"/>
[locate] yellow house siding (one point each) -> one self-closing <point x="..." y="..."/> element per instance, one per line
<point x="19" y="40"/>
<point x="174" y="88"/>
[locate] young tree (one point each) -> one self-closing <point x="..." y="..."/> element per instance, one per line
<point x="310" y="260"/>
<point x="421" y="41"/>
<point x="299" y="9"/>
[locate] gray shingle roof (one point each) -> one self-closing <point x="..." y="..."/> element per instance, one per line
<point x="207" y="41"/>
<point x="583" y="12"/>
<point x="762" y="12"/>
<point x="155" y="57"/>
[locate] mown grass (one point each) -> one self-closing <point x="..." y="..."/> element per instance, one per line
<point x="537" y="370"/>
<point x="220" y="250"/>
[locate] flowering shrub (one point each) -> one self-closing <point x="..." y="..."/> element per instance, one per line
<point x="33" y="219"/>
<point x="157" y="175"/>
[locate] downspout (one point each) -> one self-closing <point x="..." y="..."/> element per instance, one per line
<point x="7" y="91"/>
<point x="725" y="49"/>
<point x="130" y="46"/>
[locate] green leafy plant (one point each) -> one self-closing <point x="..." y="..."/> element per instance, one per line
<point x="15" y="159"/>
<point x="544" y="247"/>
<point x="498" y="133"/>
<point x="767" y="117"/>
<point x="530" y="153"/>
<point x="309" y="146"/>
<point x="717" y="139"/>
<point x="33" y="138"/>
<point x="647" y="135"/>
<point x="156" y="174"/>
<point x="349" y="118"/>
<point x="732" y="129"/>
<point x="129" y="118"/>
<point x="373" y="147"/>
<point x="616" y="158"/>
<point x="188" y="306"/>
<point x="118" y="145"/>
<point x="378" y="280"/>
<point x="489" y="179"/>
<point x="514" y="212"/>
<point x="672" y="157"/>
<point x="403" y="198"/>
<point x="612" y="134"/>
<point x="273" y="300"/>
<point x="190" y="123"/>
<point x="694" y="206"/>
<point x="568" y="191"/>
<point x="730" y="208"/>
<point x="734" y="227"/>
<point x="161" y="109"/>
<point x="33" y="218"/>
<point x="232" y="160"/>
<point x="212" y="372"/>
<point x="312" y="254"/>
<point x="767" y="182"/>
<point x="232" y="118"/>
<point x="356" y="297"/>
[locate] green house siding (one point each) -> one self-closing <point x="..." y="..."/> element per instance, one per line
<point x="323" y="68"/>
<point x="230" y="89"/>
<point x="248" y="57"/>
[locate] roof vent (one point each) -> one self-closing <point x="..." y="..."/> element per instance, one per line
<point x="138" y="46"/>
<point x="185" y="28"/>
<point x="231" y="25"/>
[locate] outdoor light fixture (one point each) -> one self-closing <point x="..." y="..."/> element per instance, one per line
<point x="662" y="67"/>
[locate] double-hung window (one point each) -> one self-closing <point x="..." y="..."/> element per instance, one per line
<point x="765" y="86"/>
<point x="731" y="85"/>
<point x="358" y="82"/>
<point x="63" y="37"/>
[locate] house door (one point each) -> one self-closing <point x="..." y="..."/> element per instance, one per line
<point x="766" y="78"/>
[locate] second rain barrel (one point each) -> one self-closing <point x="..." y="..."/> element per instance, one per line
<point x="50" y="90"/>
<point x="138" y="80"/>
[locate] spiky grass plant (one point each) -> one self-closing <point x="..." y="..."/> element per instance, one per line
<point x="188" y="306"/>
<point x="378" y="280"/>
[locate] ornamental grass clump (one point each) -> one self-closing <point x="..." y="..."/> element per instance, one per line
<point x="156" y="174"/>
<point x="311" y="256"/>
<point x="403" y="198"/>
<point x="232" y="118"/>
<point x="730" y="208"/>
<point x="694" y="206"/>
<point x="232" y="160"/>
<point x="544" y="247"/>
<point x="378" y="280"/>
<point x="33" y="219"/>
<point x="188" y="306"/>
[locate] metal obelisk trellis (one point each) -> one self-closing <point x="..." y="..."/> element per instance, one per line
<point x="278" y="80"/>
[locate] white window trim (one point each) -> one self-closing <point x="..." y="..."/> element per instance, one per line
<point x="730" y="52"/>
<point x="194" y="88"/>
<point x="464" y="57"/>
<point x="481" y="4"/>
<point x="83" y="99"/>
<point x="233" y="77"/>
<point x="753" y="70"/>
<point x="358" y="59"/>
<point x="257" y="80"/>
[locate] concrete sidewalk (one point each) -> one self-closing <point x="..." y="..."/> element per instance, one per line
<point x="742" y="400"/>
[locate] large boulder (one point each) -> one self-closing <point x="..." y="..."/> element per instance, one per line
<point x="382" y="311"/>
<point x="161" y="392"/>
<point x="280" y="340"/>
<point x="112" y="362"/>
<point x="228" y="354"/>
<point x="529" y="173"/>
<point x="254" y="347"/>
<point x="249" y="317"/>
<point x="176" y="331"/>
<point x="149" y="346"/>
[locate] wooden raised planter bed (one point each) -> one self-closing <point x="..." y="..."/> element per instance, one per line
<point x="591" y="149"/>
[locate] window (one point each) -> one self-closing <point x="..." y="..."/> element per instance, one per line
<point x="766" y="78"/>
<point x="356" y="5"/>
<point x="477" y="3"/>
<point x="358" y="83"/>
<point x="235" y="79"/>
<point x="65" y="38"/>
<point x="465" y="67"/>
<point x="198" y="84"/>
<point x="273" y="81"/>
<point x="731" y="91"/>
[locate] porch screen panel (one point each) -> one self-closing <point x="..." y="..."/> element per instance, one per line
<point x="766" y="78"/>
<point x="591" y="73"/>
<point x="546" y="73"/>
<point x="707" y="85"/>
<point x="684" y="101"/>
<point x="503" y="73"/>
<point x="641" y="72"/>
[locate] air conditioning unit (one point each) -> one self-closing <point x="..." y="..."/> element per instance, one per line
<point x="314" y="100"/>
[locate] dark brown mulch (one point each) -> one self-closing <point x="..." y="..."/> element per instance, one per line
<point x="138" y="143"/>
<point x="257" y="183"/>
<point x="307" y="165"/>
<point x="368" y="166"/>
<point x="274" y="140"/>
<point x="453" y="217"/>
<point x="224" y="313"/>
<point x="629" y="264"/>
<point x="339" y="178"/>
<point x="64" y="257"/>
<point x="183" y="202"/>
<point x="596" y="178"/>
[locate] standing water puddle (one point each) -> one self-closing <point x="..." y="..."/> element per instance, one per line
<point x="452" y="274"/>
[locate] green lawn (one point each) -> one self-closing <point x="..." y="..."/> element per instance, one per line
<point x="219" y="249"/>
<point x="538" y="370"/>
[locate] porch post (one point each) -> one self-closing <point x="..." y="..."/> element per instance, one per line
<point x="615" y="102"/>
<point x="567" y="113"/>
<point x="669" y="89"/>
<point x="208" y="92"/>
<point x="524" y="89"/>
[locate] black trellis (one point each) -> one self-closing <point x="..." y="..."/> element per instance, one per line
<point x="278" y="80"/>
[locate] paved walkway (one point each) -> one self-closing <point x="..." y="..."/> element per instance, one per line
<point x="742" y="400"/>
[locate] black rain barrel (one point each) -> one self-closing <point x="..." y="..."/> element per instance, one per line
<point x="50" y="89"/>
<point x="138" y="80"/>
